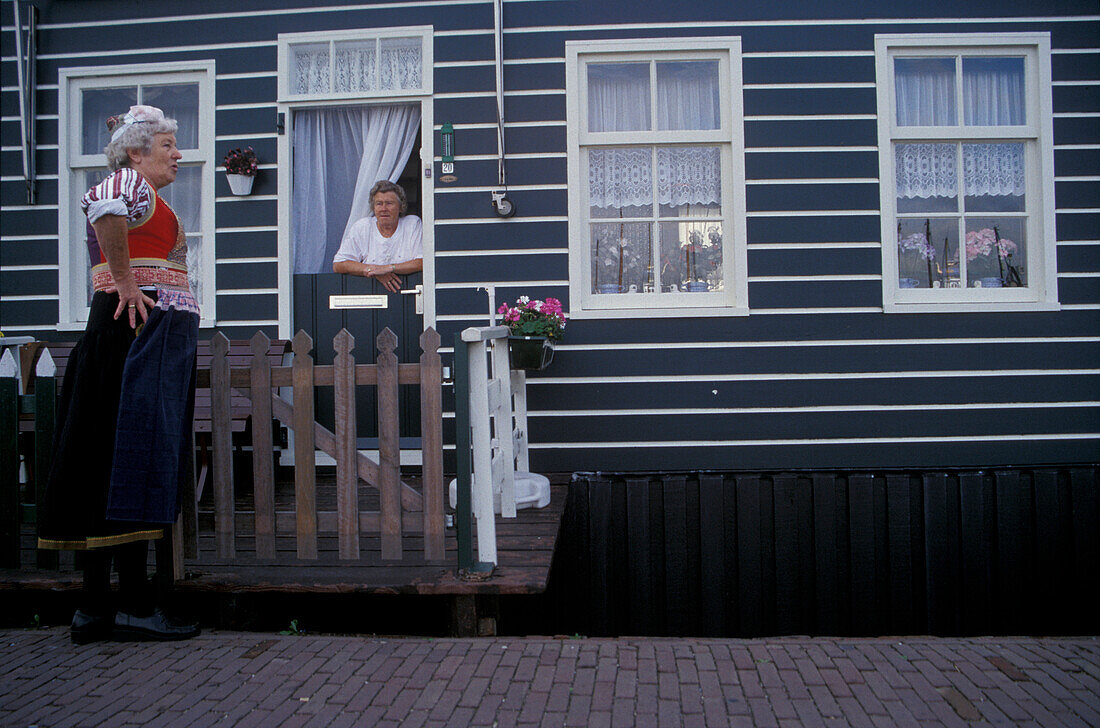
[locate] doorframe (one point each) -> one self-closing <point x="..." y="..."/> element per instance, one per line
<point x="286" y="199"/>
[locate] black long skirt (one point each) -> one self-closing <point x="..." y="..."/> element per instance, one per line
<point x="75" y="507"/>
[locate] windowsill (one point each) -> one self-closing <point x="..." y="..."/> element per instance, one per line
<point x="642" y="313"/>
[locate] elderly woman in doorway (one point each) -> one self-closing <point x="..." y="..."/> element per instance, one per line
<point x="127" y="400"/>
<point x="385" y="245"/>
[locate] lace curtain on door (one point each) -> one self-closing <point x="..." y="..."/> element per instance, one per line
<point x="385" y="64"/>
<point x="992" y="95"/>
<point x="339" y="153"/>
<point x="619" y="100"/>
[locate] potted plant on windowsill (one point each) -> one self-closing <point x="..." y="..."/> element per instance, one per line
<point x="535" y="326"/>
<point x="240" y="169"/>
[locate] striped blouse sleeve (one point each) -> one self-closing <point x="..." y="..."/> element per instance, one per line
<point x="124" y="193"/>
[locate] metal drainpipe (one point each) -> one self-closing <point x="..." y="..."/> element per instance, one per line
<point x="26" y="76"/>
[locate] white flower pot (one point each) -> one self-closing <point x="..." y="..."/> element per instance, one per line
<point x="240" y="184"/>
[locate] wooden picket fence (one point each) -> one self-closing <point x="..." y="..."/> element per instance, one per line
<point x="403" y="510"/>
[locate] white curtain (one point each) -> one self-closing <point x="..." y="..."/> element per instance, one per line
<point x="339" y="153"/>
<point x="992" y="91"/>
<point x="930" y="170"/>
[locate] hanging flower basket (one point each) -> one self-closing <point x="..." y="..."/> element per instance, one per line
<point x="240" y="184"/>
<point x="530" y="353"/>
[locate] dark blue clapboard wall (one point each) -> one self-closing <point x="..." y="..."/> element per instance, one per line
<point x="815" y="377"/>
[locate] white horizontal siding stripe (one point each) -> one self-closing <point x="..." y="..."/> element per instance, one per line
<point x="245" y="198"/>
<point x="803" y="279"/>
<point x="28" y="208"/>
<point x="507" y="125"/>
<point x="830" y="343"/>
<point x="251" y="14"/>
<point x="734" y="24"/>
<point x="41" y="297"/>
<point x="246" y="291"/>
<point x="816" y="376"/>
<point x="1078" y="242"/>
<point x="804" y="150"/>
<point x="811" y="246"/>
<point x="245" y="76"/>
<point x="1075" y="210"/>
<point x="494" y="253"/>
<point x="1082" y="178"/>
<point x="807" y="311"/>
<point x="808" y="54"/>
<point x="28" y="267"/>
<point x="1077" y="115"/>
<point x="512" y="188"/>
<point x="815" y="181"/>
<point x="27" y="238"/>
<point x="814" y="117"/>
<point x="500" y="220"/>
<point x="117" y="52"/>
<point x="811" y="213"/>
<point x="252" y="229"/>
<point x="245" y="137"/>
<point x="21" y="178"/>
<point x="805" y="86"/>
<point x="254" y="106"/>
<point x="511" y="155"/>
<point x="462" y="285"/>
<point x="1086" y="82"/>
<point x="40" y="147"/>
<point x="808" y="410"/>
<point x="1080" y="307"/>
<point x="1080" y="275"/>
<point x="232" y="261"/>
<point x="471" y="64"/>
<point x="30" y="327"/>
<point x="1077" y="146"/>
<point x="802" y="442"/>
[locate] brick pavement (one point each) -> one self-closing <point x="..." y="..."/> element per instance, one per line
<point x="253" y="679"/>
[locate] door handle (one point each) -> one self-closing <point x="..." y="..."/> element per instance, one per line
<point x="418" y="291"/>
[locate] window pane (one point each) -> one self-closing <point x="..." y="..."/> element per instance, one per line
<point x="622" y="255"/>
<point x="98" y="104"/>
<point x="691" y="256"/>
<point x="928" y="253"/>
<point x="925" y="91"/>
<point x="400" y="64"/>
<point x="618" y="97"/>
<point x="926" y="176"/>
<point x="993" y="91"/>
<point x="620" y="182"/>
<point x="179" y="102"/>
<point x="309" y="72"/>
<point x="687" y="95"/>
<point x="994" y="177"/>
<point x="356" y="66"/>
<point x="688" y="176"/>
<point x="995" y="252"/>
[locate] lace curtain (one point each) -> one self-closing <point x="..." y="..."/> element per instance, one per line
<point x="930" y="170"/>
<point x="386" y="64"/>
<point x="624" y="177"/>
<point x="339" y="153"/>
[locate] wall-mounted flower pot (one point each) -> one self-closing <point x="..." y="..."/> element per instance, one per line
<point x="240" y="184"/>
<point x="530" y="353"/>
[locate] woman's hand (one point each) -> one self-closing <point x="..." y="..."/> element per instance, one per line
<point x="112" y="234"/>
<point x="384" y="274"/>
<point x="132" y="300"/>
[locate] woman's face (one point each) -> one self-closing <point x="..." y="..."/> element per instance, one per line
<point x="161" y="163"/>
<point x="387" y="207"/>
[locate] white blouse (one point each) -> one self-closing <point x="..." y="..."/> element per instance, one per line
<point x="364" y="244"/>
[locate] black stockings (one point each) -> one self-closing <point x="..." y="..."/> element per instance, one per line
<point x="134" y="594"/>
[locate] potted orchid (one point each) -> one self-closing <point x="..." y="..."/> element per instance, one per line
<point x="989" y="257"/>
<point x="535" y="326"/>
<point x="241" y="166"/>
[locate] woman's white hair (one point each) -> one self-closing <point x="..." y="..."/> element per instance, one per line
<point x="384" y="185"/>
<point x="137" y="136"/>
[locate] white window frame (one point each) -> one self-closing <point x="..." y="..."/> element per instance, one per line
<point x="1037" y="136"/>
<point x="288" y="103"/>
<point x="733" y="299"/>
<point x="72" y="256"/>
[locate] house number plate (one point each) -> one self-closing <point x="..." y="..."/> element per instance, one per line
<point x="364" y="301"/>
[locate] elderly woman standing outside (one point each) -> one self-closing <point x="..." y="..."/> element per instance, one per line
<point x="127" y="400"/>
<point x="386" y="245"/>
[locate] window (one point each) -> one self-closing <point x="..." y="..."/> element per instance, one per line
<point x="354" y="64"/>
<point x="656" y="172"/>
<point x="88" y="96"/>
<point x="966" y="169"/>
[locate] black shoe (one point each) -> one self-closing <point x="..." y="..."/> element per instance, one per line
<point x="157" y="626"/>
<point x="90" y="628"/>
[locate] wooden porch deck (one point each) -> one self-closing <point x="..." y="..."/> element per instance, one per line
<point x="526" y="548"/>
